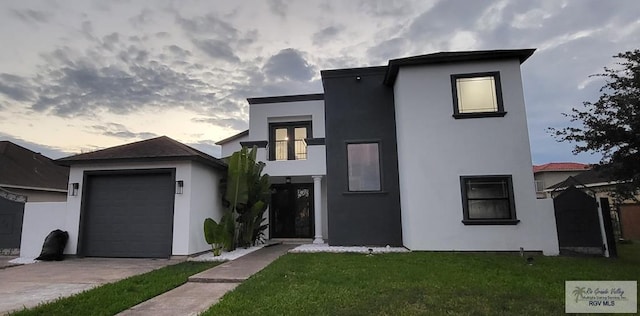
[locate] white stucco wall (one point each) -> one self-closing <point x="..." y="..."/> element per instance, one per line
<point x="260" y="115"/>
<point x="186" y="233"/>
<point x="40" y="218"/>
<point x="315" y="164"/>
<point x="434" y="150"/>
<point x="204" y="191"/>
<point x="232" y="146"/>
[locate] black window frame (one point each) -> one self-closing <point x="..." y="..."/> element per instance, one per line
<point x="499" y="100"/>
<point x="291" y="126"/>
<point x="513" y="220"/>
<point x="358" y="142"/>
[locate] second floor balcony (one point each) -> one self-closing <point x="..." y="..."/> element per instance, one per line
<point x="289" y="149"/>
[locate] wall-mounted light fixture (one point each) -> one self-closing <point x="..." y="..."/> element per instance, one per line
<point x="179" y="187"/>
<point x="73" y="188"/>
<point x="287" y="180"/>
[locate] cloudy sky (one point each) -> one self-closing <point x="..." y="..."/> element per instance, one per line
<point x="80" y="75"/>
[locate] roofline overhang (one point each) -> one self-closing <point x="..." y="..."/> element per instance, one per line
<point x="216" y="164"/>
<point x="287" y="98"/>
<point x="443" y="57"/>
<point x="23" y="187"/>
<point x="233" y="137"/>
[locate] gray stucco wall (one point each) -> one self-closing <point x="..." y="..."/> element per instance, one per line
<point x="361" y="110"/>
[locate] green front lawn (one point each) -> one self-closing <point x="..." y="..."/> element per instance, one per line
<point x="113" y="298"/>
<point x="419" y="283"/>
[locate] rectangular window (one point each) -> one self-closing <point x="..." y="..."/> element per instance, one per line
<point x="477" y="95"/>
<point x="288" y="140"/>
<point x="539" y="185"/>
<point x="488" y="200"/>
<point x="363" y="163"/>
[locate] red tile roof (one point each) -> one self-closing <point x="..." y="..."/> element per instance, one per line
<point x="561" y="166"/>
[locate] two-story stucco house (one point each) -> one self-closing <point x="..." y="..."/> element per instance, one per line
<point x="429" y="152"/>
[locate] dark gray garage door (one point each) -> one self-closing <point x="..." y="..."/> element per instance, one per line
<point x="128" y="215"/>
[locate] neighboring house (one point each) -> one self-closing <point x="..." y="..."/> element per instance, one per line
<point x="554" y="172"/>
<point x="592" y="180"/>
<point x="144" y="199"/>
<point x="430" y="152"/>
<point x="30" y="174"/>
<point x="25" y="176"/>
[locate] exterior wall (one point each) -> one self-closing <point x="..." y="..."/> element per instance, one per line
<point x="230" y="147"/>
<point x="204" y="191"/>
<point x="260" y="115"/>
<point x="39" y="220"/>
<point x="39" y="195"/>
<point x="434" y="150"/>
<point x="182" y="225"/>
<point x="315" y="164"/>
<point x="361" y="110"/>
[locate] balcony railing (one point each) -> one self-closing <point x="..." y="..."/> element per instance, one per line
<point x="289" y="150"/>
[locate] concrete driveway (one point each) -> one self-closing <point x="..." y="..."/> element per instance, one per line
<point x="31" y="284"/>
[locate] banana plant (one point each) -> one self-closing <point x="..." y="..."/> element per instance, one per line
<point x="246" y="196"/>
<point x="214" y="235"/>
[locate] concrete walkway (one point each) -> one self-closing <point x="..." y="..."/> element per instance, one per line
<point x="206" y="288"/>
<point x="32" y="284"/>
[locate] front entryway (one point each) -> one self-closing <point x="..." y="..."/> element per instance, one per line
<point x="291" y="211"/>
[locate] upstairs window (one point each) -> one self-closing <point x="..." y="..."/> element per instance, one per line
<point x="477" y="95"/>
<point x="287" y="141"/>
<point x="488" y="200"/>
<point x="363" y="163"/>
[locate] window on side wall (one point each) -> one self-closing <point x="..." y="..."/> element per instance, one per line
<point x="477" y="95"/>
<point x="488" y="200"/>
<point x="363" y="164"/>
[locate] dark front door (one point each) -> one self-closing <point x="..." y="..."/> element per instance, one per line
<point x="291" y="214"/>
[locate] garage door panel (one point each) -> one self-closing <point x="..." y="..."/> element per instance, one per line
<point x="128" y="215"/>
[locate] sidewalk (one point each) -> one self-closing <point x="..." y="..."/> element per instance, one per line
<point x="206" y="288"/>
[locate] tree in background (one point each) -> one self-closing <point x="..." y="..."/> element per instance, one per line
<point x="611" y="125"/>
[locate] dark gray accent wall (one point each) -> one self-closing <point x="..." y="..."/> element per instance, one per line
<point x="360" y="108"/>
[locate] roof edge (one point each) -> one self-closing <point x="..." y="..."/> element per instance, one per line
<point x="450" y="57"/>
<point x="360" y="71"/>
<point x="287" y="98"/>
<point x="233" y="137"/>
<point x="217" y="163"/>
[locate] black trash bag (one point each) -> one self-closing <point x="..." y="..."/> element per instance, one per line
<point x="53" y="246"/>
